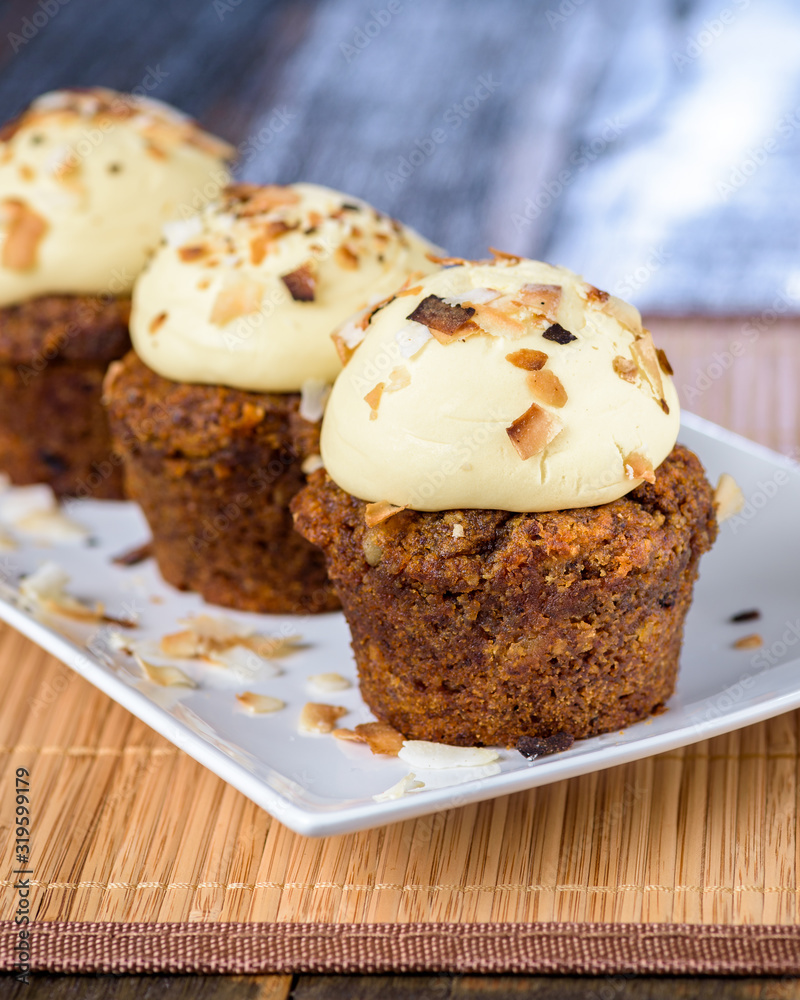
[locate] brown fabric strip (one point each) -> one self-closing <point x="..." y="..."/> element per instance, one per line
<point x="597" y="949"/>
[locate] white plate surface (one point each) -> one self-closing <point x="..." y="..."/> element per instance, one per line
<point x="318" y="785"/>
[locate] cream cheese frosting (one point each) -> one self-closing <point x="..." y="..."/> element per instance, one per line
<point x="510" y="385"/>
<point x="87" y="180"/>
<point x="247" y="293"/>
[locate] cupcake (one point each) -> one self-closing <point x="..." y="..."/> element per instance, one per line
<point x="87" y="179"/>
<point x="217" y="411"/>
<point x="510" y="525"/>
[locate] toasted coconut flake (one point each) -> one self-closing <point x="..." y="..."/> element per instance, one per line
<point x="317" y="718"/>
<point x="497" y="321"/>
<point x="528" y="360"/>
<point x="533" y="431"/>
<point x="458" y="531"/>
<point x="183" y="645"/>
<point x="260" y="704"/>
<point x="543" y="299"/>
<point x="753" y="641"/>
<point x="329" y="682"/>
<point x="259" y="244"/>
<point x="240" y="298"/>
<point x="475" y="297"/>
<point x="52" y="526"/>
<point x="412" y="338"/>
<point x="24" y="233"/>
<point x="663" y="361"/>
<point x="259" y="200"/>
<point x="373" y="399"/>
<point x="447" y="261"/>
<point x="644" y="353"/>
<point x="405" y="785"/>
<point x="346" y="258"/>
<point x="595" y="294"/>
<point x="728" y="498"/>
<point x="502" y="255"/>
<point x="227" y="643"/>
<point x="444" y="321"/>
<point x="312" y="464"/>
<point x="157" y="322"/>
<point x="302" y="283"/>
<point x="380" y="737"/>
<point x="408" y="291"/>
<point x="626" y="369"/>
<point x="375" y="513"/>
<point x="399" y="378"/>
<point x="547" y="388"/>
<point x="639" y="467"/>
<point x="44" y="590"/>
<point x="626" y="314"/>
<point x="558" y="335"/>
<point x="420" y="753"/>
<point x="164" y="676"/>
<point x="195" y="251"/>
<point x="347" y="736"/>
<point x="313" y="397"/>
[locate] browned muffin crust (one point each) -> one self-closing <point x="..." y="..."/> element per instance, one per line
<point x="54" y="351"/>
<point x="528" y="624"/>
<point x="214" y="469"/>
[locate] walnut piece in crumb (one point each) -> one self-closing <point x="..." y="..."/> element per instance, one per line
<point x="458" y="531"/>
<point x="317" y="718"/>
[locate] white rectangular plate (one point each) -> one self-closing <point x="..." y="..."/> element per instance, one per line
<point x="320" y="786"/>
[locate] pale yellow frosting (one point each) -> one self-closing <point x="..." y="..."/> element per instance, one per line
<point x="247" y="293"/>
<point x="87" y="179"/>
<point x="433" y="430"/>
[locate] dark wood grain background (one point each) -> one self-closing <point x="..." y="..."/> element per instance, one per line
<point x="651" y="145"/>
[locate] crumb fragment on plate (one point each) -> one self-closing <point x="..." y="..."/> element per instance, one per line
<point x="329" y="682"/>
<point x="405" y="785"/>
<point x="317" y="718"/>
<point x="751" y="615"/>
<point x="259" y="704"/>
<point x="421" y="753"/>
<point x="728" y="498"/>
<point x="533" y="747"/>
<point x="132" y="557"/>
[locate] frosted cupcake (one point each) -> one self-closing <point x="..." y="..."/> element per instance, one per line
<point x="217" y="411"/>
<point x="87" y="179"/>
<point x="512" y="529"/>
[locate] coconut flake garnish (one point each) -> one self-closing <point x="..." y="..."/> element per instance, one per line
<point x="420" y="753"/>
<point x="380" y="737"/>
<point x="217" y="639"/>
<point x="164" y="676"/>
<point x="379" y="511"/>
<point x="45" y="591"/>
<point x="319" y="719"/>
<point x="329" y="682"/>
<point x="533" y="431"/>
<point x="52" y="526"/>
<point x="313" y="397"/>
<point x="639" y="467"/>
<point x="474" y="297"/>
<point x="25" y="230"/>
<point x="405" y="785"/>
<point x="180" y="231"/>
<point x="728" y="498"/>
<point x="259" y="704"/>
<point x="412" y="338"/>
<point x="241" y="297"/>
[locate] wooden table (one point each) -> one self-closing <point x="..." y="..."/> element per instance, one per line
<point x="545" y="115"/>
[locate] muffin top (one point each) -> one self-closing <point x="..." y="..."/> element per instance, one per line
<point x="247" y="293"/>
<point x="87" y="179"/>
<point x="510" y="385"/>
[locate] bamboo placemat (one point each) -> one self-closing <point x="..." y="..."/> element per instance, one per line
<point x="590" y="874"/>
